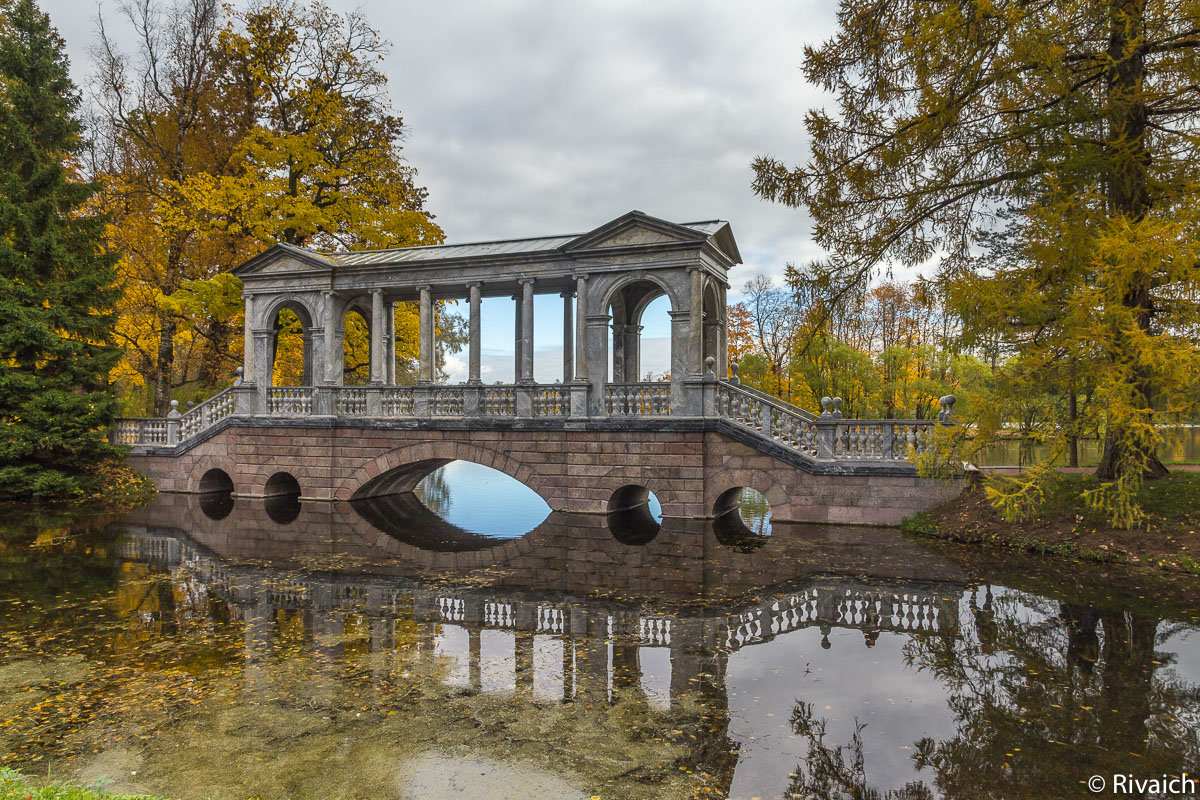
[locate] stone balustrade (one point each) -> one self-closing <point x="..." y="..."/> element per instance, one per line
<point x="826" y="438"/>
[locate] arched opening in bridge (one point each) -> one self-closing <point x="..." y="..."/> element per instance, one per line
<point x="216" y="494"/>
<point x="282" y="503"/>
<point x="481" y="500"/>
<point x="291" y="346"/>
<point x="634" y="515"/>
<point x="356" y="344"/>
<point x="742" y="518"/>
<point x="450" y="505"/>
<point x="281" y="483"/>
<point x="215" y="480"/>
<point x="640" y="346"/>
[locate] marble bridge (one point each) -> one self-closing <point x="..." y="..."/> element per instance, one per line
<point x="597" y="440"/>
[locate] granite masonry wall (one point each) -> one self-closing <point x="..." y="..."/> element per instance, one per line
<point x="575" y="471"/>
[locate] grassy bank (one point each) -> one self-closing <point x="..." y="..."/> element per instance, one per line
<point x="14" y="786"/>
<point x="110" y="487"/>
<point x="1169" y="538"/>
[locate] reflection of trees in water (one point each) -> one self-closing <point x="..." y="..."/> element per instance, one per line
<point x="434" y="492"/>
<point x="755" y="511"/>
<point x="832" y="772"/>
<point x="1045" y="694"/>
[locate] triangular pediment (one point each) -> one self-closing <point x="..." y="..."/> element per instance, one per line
<point x="282" y="259"/>
<point x="635" y="229"/>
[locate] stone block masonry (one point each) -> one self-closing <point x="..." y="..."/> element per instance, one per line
<point x="688" y="468"/>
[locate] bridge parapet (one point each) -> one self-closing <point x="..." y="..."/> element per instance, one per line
<point x="827" y="439"/>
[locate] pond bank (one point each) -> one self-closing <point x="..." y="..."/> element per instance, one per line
<point x="14" y="786"/>
<point x="1169" y="538"/>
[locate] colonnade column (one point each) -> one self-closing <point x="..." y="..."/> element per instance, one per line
<point x="518" y="299"/>
<point x="618" y="352"/>
<point x="473" y="334"/>
<point x="632" y="348"/>
<point x="248" y="340"/>
<point x="568" y="338"/>
<point x="331" y="358"/>
<point x="695" y="340"/>
<point x="722" y="353"/>
<point x="377" y="334"/>
<point x="526" y="330"/>
<point x="389" y="338"/>
<point x="425" y="338"/>
<point x="581" y="351"/>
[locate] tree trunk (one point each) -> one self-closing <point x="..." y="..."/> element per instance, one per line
<point x="164" y="365"/>
<point x="1073" y="436"/>
<point x="1129" y="197"/>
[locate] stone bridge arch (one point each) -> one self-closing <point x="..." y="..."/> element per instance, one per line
<point x="402" y="468"/>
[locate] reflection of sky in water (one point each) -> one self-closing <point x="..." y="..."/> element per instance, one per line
<point x="482" y="500"/>
<point x="755" y="511"/>
<point x="655" y="507"/>
<point x="847" y="684"/>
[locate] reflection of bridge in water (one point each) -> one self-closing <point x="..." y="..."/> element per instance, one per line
<point x="691" y="615"/>
<point x="565" y="614"/>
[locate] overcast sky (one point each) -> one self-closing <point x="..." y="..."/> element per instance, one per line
<point x="530" y="118"/>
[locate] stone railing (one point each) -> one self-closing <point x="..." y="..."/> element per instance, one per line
<point x="290" y="401"/>
<point x="209" y="413"/>
<point x="820" y="438"/>
<point x="552" y="401"/>
<point x="499" y="401"/>
<point x="637" y="399"/>
<point x="140" y="431"/>
<point x="827" y="437"/>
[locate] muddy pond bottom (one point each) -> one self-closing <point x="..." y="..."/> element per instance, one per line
<point x="211" y="648"/>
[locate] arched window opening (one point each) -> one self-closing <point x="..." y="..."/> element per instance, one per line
<point x="289" y="363"/>
<point x="640" y="346"/>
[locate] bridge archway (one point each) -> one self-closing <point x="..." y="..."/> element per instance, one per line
<point x="625" y="305"/>
<point x="401" y="469"/>
<point x="291" y="352"/>
<point x="719" y="485"/>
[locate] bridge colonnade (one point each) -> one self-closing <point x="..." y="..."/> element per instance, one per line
<point x="606" y="279"/>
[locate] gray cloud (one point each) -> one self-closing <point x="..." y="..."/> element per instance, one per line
<point x="530" y="117"/>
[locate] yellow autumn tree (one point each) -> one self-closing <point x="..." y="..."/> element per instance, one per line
<point x="257" y="125"/>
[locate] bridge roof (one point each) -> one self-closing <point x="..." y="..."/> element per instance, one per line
<point x="718" y="232"/>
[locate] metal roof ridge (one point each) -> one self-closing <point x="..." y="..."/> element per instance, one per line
<point x="480" y="242"/>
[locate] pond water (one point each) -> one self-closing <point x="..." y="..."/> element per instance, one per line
<point x="216" y="648"/>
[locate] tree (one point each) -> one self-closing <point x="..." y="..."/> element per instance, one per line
<point x="168" y="112"/>
<point x="231" y="129"/>
<point x="1067" y="129"/>
<point x="773" y="322"/>
<point x="56" y="280"/>
<point x="322" y="166"/>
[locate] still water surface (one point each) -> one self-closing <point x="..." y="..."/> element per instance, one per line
<point x="203" y="648"/>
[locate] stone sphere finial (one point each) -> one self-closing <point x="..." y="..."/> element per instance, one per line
<point x="826" y="404"/>
<point x="174" y="412"/>
<point x="733" y="369"/>
<point x="241" y="374"/>
<point x="947" y="404"/>
<point x="837" y="407"/>
<point x="709" y="374"/>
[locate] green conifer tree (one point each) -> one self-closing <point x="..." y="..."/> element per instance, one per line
<point x="57" y="285"/>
